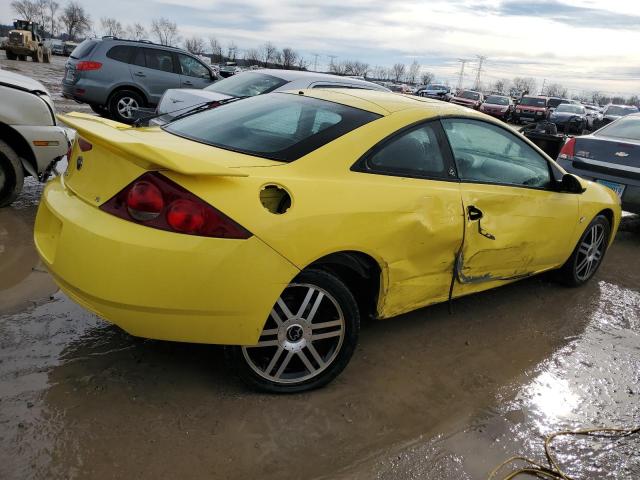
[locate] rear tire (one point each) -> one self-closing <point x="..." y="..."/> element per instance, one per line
<point x="11" y="175"/>
<point x="308" y="342"/>
<point x="123" y="104"/>
<point x="588" y="254"/>
<point x="11" y="55"/>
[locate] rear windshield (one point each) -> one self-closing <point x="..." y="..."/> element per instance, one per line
<point x="470" y="95"/>
<point x="279" y="126"/>
<point x="627" y="128"/>
<point x="84" y="49"/>
<point x="570" y="108"/>
<point x="615" y="110"/>
<point x="533" y="102"/>
<point x="497" y="100"/>
<point x="247" y="84"/>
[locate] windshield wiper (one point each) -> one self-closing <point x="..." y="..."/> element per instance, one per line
<point x="201" y="107"/>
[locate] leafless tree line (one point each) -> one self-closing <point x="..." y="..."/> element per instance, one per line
<point x="71" y="20"/>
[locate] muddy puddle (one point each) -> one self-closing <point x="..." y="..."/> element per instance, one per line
<point x="427" y="395"/>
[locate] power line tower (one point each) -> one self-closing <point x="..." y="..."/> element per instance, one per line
<point x="315" y="61"/>
<point x="481" y="59"/>
<point x="331" y="59"/>
<point x="463" y="62"/>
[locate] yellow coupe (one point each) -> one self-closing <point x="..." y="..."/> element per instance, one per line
<point x="273" y="224"/>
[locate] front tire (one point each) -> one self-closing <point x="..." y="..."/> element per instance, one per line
<point x="588" y="254"/>
<point x="308" y="339"/>
<point x="124" y="104"/>
<point x="37" y="56"/>
<point x="11" y="175"/>
<point x="11" y="55"/>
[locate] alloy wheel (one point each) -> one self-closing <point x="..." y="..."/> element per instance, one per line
<point x="301" y="338"/>
<point x="590" y="252"/>
<point x="126" y="106"/>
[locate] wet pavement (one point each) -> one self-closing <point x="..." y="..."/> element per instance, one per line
<point x="427" y="395"/>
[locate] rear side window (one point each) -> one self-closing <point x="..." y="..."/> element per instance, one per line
<point x="84" y="49"/>
<point x="278" y="126"/>
<point x="121" y="53"/>
<point x="138" y="57"/>
<point x="159" y="59"/>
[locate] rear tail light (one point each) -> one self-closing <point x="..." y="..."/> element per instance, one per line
<point x="157" y="202"/>
<point x="85" y="66"/>
<point x="568" y="149"/>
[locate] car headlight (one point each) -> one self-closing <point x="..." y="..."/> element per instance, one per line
<point x="517" y="110"/>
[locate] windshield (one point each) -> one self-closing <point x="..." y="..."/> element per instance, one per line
<point x="497" y="100"/>
<point x="569" y="108"/>
<point x="627" y="128"/>
<point x="436" y="87"/>
<point x="533" y="102"/>
<point x="247" y="84"/>
<point x="279" y="126"/>
<point x="616" y="110"/>
<point x="470" y="95"/>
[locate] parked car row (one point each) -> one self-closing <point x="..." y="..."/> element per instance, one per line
<point x="119" y="78"/>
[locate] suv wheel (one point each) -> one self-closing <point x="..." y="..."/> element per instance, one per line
<point x="123" y="105"/>
<point x="11" y="175"/>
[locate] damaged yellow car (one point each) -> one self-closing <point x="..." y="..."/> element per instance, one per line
<point x="274" y="224"/>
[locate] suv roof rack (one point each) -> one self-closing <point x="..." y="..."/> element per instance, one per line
<point x="147" y="42"/>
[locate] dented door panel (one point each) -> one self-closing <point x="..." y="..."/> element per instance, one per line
<point x="532" y="231"/>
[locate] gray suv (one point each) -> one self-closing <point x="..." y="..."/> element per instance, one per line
<point x="116" y="77"/>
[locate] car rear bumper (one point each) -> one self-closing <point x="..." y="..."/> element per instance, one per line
<point x="85" y="91"/>
<point x="630" y="196"/>
<point x="157" y="284"/>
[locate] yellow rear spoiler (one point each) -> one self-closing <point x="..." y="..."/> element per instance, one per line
<point x="130" y="141"/>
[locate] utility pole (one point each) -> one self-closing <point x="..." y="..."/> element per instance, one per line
<point x="481" y="59"/>
<point x="463" y="62"/>
<point x="332" y="58"/>
<point x="315" y="62"/>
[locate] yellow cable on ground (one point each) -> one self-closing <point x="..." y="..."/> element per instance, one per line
<point x="553" y="470"/>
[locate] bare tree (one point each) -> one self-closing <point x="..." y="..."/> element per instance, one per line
<point x="289" y="58"/>
<point x="136" y="31"/>
<point x="338" y="68"/>
<point x="427" y="77"/>
<point x="633" y="100"/>
<point x="52" y="9"/>
<point x="194" y="45"/>
<point x="303" y="64"/>
<point x="252" y="56"/>
<point x="165" y="30"/>
<point x="397" y="71"/>
<point x="232" y="51"/>
<point x="268" y="53"/>
<point x="412" y="74"/>
<point x="524" y="85"/>
<point x="355" y="68"/>
<point x="216" y="50"/>
<point x="556" y="90"/>
<point x="500" y="86"/>
<point x="25" y="9"/>
<point x="111" y="27"/>
<point x="75" y="20"/>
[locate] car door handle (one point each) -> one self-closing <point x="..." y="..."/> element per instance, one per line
<point x="139" y="74"/>
<point x="188" y="83"/>
<point x="474" y="213"/>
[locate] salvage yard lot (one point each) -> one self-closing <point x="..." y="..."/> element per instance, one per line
<point x="431" y="394"/>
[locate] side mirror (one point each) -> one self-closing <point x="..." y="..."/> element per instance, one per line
<point x="571" y="184"/>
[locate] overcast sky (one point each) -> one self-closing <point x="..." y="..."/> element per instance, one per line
<point x="584" y="45"/>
